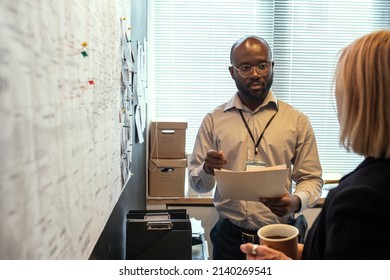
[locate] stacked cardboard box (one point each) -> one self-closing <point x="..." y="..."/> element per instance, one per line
<point x="168" y="160"/>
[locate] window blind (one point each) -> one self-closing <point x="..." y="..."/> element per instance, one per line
<point x="189" y="44"/>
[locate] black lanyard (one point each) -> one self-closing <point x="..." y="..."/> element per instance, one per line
<point x="250" y="132"/>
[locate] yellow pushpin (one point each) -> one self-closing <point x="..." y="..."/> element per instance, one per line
<point x="84" y="44"/>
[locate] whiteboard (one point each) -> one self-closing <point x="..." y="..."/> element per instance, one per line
<point x="60" y="138"/>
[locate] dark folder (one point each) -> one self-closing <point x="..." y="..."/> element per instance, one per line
<point x="158" y="235"/>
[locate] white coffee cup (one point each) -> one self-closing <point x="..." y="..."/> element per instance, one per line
<point x="281" y="237"/>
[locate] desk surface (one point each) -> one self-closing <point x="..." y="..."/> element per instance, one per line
<point x="207" y="201"/>
<point x="330" y="181"/>
<point x="181" y="200"/>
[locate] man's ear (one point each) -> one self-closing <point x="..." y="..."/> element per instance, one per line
<point x="231" y="70"/>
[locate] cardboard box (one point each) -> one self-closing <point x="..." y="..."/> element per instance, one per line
<point x="167" y="140"/>
<point x="166" y="177"/>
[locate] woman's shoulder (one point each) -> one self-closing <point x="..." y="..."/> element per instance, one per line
<point x="367" y="185"/>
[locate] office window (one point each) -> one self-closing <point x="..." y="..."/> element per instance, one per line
<point x="189" y="43"/>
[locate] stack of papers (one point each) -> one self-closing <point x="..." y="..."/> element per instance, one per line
<point x="255" y="183"/>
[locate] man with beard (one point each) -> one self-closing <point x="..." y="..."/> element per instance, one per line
<point x="254" y="128"/>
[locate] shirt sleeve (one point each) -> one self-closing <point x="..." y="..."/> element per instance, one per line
<point x="199" y="180"/>
<point x="307" y="170"/>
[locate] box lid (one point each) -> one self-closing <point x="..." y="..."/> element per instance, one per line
<point x="170" y="162"/>
<point x="170" y="125"/>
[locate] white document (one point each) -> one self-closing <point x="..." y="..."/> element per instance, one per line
<point x="266" y="182"/>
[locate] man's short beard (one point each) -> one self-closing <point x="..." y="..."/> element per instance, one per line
<point x="260" y="95"/>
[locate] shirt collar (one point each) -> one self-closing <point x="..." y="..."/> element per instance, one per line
<point x="235" y="102"/>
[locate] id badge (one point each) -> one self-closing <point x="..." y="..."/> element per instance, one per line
<point x="254" y="165"/>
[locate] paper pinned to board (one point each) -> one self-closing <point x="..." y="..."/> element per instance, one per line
<point x="266" y="182"/>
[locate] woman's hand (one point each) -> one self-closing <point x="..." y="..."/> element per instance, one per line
<point x="262" y="252"/>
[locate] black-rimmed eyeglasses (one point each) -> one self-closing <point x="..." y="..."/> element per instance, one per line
<point x="246" y="70"/>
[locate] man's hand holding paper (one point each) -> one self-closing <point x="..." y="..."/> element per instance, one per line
<point x="265" y="182"/>
<point x="283" y="205"/>
<point x="214" y="160"/>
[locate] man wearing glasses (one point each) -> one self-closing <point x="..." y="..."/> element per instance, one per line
<point x="254" y="128"/>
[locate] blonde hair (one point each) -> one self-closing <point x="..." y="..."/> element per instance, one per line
<point x="363" y="95"/>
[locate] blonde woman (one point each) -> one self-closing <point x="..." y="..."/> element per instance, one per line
<point x="352" y="222"/>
